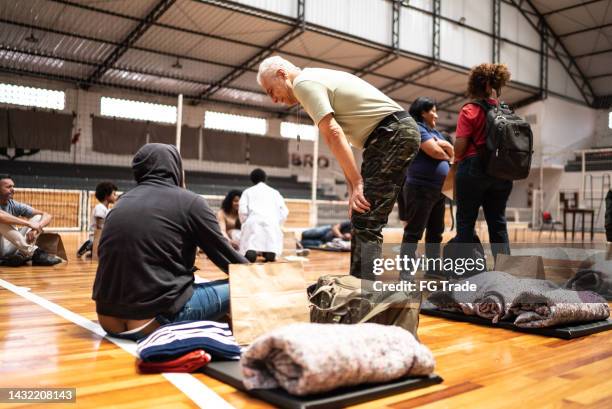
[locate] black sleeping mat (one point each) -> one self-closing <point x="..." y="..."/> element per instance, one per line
<point x="564" y="332"/>
<point x="229" y="372"/>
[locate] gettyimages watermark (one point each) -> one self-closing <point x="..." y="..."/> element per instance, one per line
<point x="471" y="268"/>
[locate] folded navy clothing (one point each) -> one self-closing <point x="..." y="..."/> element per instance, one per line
<point x="177" y="339"/>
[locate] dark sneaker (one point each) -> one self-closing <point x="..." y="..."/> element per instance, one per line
<point x="85" y="247"/>
<point x="41" y="258"/>
<point x="16" y="260"/>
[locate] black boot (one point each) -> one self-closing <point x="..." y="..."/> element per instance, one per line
<point x="269" y="256"/>
<point x="251" y="255"/>
<point x="41" y="258"/>
<point x="16" y="260"/>
<point x="85" y="247"/>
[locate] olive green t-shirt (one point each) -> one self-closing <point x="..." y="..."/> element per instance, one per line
<point x="357" y="105"/>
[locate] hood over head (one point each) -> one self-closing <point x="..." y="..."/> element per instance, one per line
<point x="158" y="163"/>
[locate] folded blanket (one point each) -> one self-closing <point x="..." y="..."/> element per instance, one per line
<point x="313" y="358"/>
<point x="597" y="278"/>
<point x="535" y="309"/>
<point x="528" y="302"/>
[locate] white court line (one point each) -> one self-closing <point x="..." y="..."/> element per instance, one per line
<point x="195" y="390"/>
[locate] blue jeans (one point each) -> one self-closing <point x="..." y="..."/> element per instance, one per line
<point x="474" y="188"/>
<point x="210" y="301"/>
<point x="317" y="236"/>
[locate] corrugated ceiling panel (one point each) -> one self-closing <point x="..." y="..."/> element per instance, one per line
<point x="138" y="8"/>
<point x="177" y="42"/>
<point x="400" y="68"/>
<point x="446" y="79"/>
<point x="377" y="81"/>
<point x="199" y="17"/>
<point x="55" y="66"/>
<point x="578" y="18"/>
<point x="163" y="64"/>
<point x="596" y="65"/>
<point x="244" y="97"/>
<point x="409" y="93"/>
<point x="75" y="48"/>
<point x="151" y="82"/>
<point x="590" y="41"/>
<point x="66" y="18"/>
<point x="602" y="86"/>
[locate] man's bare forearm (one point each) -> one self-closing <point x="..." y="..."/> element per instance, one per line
<point x="7" y="218"/>
<point x="340" y="148"/>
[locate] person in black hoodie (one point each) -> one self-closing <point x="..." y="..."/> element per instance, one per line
<point x="147" y="252"/>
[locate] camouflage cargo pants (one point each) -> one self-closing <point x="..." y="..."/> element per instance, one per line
<point x="389" y="151"/>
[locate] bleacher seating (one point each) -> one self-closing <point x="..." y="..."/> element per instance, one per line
<point x="85" y="177"/>
<point x="595" y="161"/>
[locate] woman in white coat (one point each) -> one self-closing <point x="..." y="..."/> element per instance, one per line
<point x="262" y="213"/>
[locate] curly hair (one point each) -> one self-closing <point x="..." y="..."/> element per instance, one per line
<point x="497" y="75"/>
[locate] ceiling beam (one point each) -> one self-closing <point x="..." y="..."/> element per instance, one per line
<point x="585" y="30"/>
<point x="593" y="53"/>
<point x="562" y="9"/>
<point x="152" y="16"/>
<point x="555" y="45"/>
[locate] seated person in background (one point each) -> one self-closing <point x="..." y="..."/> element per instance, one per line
<point x="323" y="234"/>
<point x="17" y="246"/>
<point x="148" y="247"/>
<point x="262" y="213"/>
<point x="106" y="193"/>
<point x="228" y="218"/>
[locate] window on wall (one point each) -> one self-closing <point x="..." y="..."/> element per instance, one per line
<point x="32" y="97"/>
<point x="146" y="111"/>
<point x="291" y="130"/>
<point x="235" y="123"/>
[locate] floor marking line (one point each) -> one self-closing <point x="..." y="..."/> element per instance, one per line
<point x="195" y="390"/>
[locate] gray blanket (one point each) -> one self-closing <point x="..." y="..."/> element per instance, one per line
<point x="598" y="278"/>
<point x="312" y="358"/>
<point x="527" y="302"/>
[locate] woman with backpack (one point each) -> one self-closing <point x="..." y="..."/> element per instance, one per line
<point x="474" y="186"/>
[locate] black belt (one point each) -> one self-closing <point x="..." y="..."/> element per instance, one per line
<point x="386" y="121"/>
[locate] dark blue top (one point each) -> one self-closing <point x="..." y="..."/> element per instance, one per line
<point x="425" y="170"/>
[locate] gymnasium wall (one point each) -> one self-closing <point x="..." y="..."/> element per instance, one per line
<point x="85" y="103"/>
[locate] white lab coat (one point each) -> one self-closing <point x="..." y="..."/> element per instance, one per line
<point x="262" y="213"/>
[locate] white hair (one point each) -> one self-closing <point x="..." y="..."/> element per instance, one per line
<point x="271" y="65"/>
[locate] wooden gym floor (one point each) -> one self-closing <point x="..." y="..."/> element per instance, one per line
<point x="481" y="366"/>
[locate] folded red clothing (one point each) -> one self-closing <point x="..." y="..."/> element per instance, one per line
<point x="189" y="362"/>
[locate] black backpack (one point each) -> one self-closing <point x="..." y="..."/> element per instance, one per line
<point x="509" y="143"/>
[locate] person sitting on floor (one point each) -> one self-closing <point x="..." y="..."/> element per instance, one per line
<point x="148" y="247"/>
<point x="318" y="236"/>
<point x="228" y="218"/>
<point x="262" y="213"/>
<point x="17" y="246"/>
<point x="106" y="193"/>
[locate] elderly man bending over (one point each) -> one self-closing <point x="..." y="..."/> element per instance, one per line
<point x="349" y="111"/>
<point x="17" y="245"/>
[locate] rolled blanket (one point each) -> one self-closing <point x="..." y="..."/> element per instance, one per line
<point x="312" y="358"/>
<point x="597" y="278"/>
<point x="535" y="309"/>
